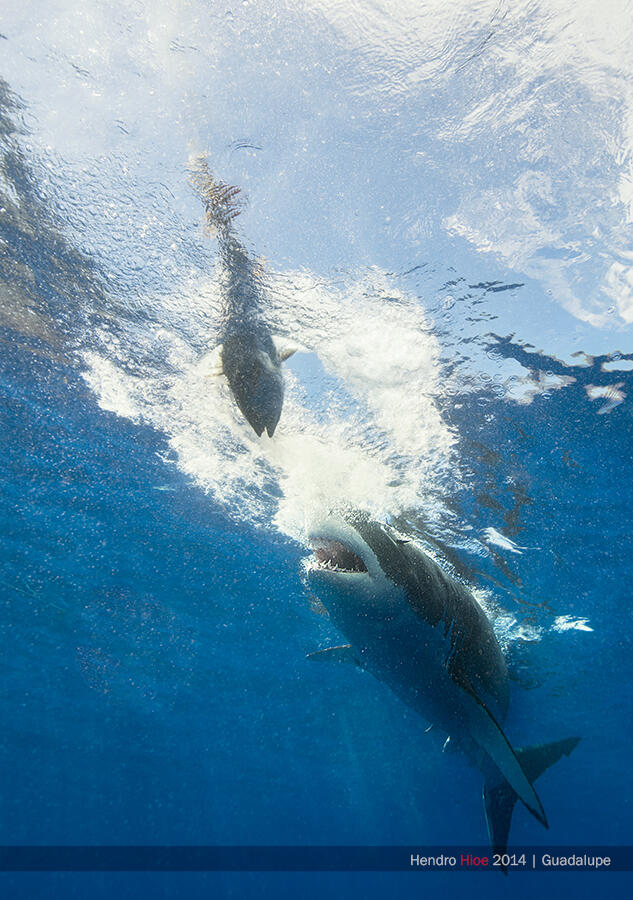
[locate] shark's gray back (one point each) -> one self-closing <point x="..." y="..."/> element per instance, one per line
<point x="474" y="658"/>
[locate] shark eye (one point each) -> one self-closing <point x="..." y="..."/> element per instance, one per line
<point x="337" y="557"/>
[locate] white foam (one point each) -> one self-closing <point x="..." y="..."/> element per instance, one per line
<point x="495" y="537"/>
<point x="569" y="623"/>
<point x="385" y="450"/>
<point x="114" y="390"/>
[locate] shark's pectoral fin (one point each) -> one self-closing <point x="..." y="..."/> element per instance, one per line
<point x="212" y="363"/>
<point x="488" y="734"/>
<point x="284" y="348"/>
<point x="317" y="607"/>
<point x="345" y="653"/>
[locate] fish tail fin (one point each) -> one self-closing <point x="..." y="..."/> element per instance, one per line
<point x="221" y="201"/>
<point x="500" y="798"/>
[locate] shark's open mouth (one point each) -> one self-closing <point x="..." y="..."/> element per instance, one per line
<point x="336" y="557"/>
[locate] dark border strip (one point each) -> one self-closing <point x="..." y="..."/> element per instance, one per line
<point x="309" y="859"/>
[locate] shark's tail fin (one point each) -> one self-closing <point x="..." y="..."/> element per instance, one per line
<point x="220" y="200"/>
<point x="500" y="798"/>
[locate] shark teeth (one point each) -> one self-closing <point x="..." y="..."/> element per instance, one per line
<point x="335" y="556"/>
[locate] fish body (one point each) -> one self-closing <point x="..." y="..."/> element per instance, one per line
<point x="249" y="355"/>
<point x="252" y="365"/>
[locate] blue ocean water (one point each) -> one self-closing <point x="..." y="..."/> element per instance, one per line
<point x="440" y="202"/>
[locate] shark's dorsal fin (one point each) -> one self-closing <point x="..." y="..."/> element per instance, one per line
<point x="345" y="653"/>
<point x="488" y="734"/>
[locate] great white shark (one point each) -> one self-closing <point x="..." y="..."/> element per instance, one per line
<point x="424" y="635"/>
<point x="249" y="355"/>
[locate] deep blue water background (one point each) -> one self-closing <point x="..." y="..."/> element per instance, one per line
<point x="154" y="682"/>
<point x="155" y="687"/>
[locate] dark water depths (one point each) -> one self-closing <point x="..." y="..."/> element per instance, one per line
<point x="155" y="619"/>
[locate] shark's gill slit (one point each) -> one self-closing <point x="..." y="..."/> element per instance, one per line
<point x="336" y="556"/>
